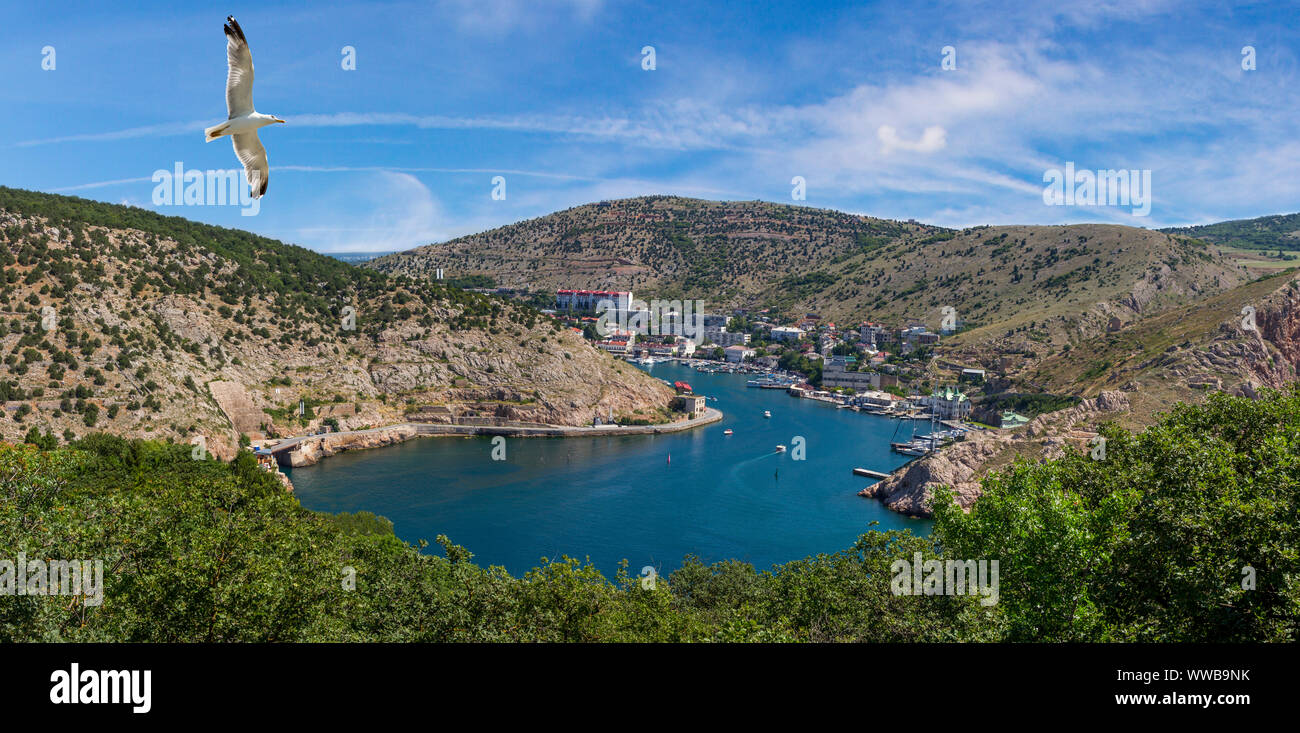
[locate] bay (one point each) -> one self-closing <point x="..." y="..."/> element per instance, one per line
<point x="650" y="499"/>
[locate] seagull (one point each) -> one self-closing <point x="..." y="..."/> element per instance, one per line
<point x="243" y="120"/>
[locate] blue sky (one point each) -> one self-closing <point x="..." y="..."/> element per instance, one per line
<point x="552" y="96"/>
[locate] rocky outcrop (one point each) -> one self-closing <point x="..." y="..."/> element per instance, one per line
<point x="961" y="466"/>
<point x="311" y="450"/>
<point x="238" y="406"/>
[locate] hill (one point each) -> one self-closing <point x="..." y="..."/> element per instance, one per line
<point x="1054" y="282"/>
<point x="1279" y="232"/>
<point x="116" y="318"/>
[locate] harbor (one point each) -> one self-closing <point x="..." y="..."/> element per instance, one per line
<point x="648" y="498"/>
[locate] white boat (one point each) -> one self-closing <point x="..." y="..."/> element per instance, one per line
<point x="780" y="449"/>
<point x="727" y="431"/>
<point x="767" y="413"/>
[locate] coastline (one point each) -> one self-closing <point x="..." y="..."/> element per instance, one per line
<point x="310" y="449"/>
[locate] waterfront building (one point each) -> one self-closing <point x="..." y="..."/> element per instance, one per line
<point x="692" y="404"/>
<point x="615" y="347"/>
<point x="738" y="353"/>
<point x="723" y="337"/>
<point x="841" y="371"/>
<point x="949" y="403"/>
<point x="876" y="400"/>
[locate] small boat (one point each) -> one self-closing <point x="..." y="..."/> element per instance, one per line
<point x="727" y="431"/>
<point x="767" y="413"/>
<point x="780" y="449"/>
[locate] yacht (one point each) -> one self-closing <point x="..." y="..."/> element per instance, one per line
<point x="727" y="431"/>
<point x="780" y="449"/>
<point x="767" y="413"/>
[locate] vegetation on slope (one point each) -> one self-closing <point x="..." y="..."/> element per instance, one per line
<point x="114" y="317"/>
<point x="795" y="259"/>
<point x="1153" y="543"/>
<point x="1280" y="232"/>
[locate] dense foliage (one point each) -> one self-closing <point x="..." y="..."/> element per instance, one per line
<point x="1151" y="542"/>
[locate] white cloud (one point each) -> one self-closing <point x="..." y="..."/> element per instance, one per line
<point x="934" y="138"/>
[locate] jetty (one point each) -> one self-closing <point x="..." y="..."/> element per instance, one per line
<point x="869" y="473"/>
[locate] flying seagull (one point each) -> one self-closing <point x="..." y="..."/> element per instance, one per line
<point x="243" y="121"/>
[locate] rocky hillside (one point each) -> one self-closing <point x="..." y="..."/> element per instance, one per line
<point x="114" y="318"/>
<point x="723" y="252"/>
<point x="1051" y="282"/>
<point x="1241" y="341"/>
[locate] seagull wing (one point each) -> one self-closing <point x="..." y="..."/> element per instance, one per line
<point x="249" y="150"/>
<point x="239" y="80"/>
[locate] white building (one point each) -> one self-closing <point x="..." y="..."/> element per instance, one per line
<point x="738" y="353"/>
<point x="723" y="337"/>
<point x="787" y="333"/>
<point x="949" y="404"/>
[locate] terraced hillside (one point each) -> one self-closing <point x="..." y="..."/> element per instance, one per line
<point x="114" y="318"/>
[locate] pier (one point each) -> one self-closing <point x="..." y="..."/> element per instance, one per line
<point x="869" y="473"/>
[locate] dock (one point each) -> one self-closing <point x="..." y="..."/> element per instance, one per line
<point x="869" y="473"/>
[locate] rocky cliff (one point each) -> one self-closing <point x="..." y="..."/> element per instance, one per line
<point x="121" y="320"/>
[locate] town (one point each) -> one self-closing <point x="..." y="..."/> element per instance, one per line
<point x="866" y="367"/>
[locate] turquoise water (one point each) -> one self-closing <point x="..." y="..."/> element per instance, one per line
<point x="651" y="499"/>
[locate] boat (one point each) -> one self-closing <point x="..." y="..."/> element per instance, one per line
<point x="780" y="449"/>
<point x="727" y="431"/>
<point x="770" y="382"/>
<point x="913" y="448"/>
<point x="767" y="413"/>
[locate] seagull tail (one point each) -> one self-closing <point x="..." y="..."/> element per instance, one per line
<point x="214" y="132"/>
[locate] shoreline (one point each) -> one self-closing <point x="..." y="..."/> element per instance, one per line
<point x="310" y="449"/>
